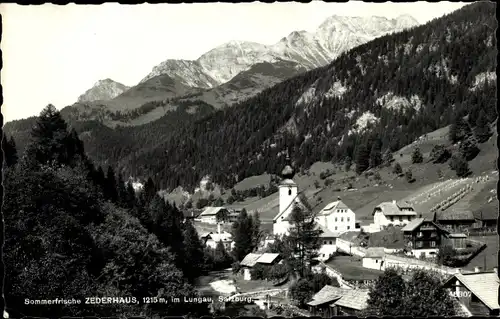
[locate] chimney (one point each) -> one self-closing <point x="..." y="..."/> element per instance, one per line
<point x="218" y="228"/>
<point x="477" y="269"/>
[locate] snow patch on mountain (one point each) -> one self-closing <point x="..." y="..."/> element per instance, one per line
<point x="307" y="97"/>
<point x="337" y="90"/>
<point x="394" y="102"/>
<point x="363" y="121"/>
<point x="482" y="78"/>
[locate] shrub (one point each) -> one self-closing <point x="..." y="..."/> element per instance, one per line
<point x="416" y="156"/>
<point x="236" y="267"/>
<point x="259" y="271"/>
<point x="398" y="170"/>
<point x="277" y="271"/>
<point x="440" y="154"/>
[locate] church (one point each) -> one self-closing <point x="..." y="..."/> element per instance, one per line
<point x="288" y="197"/>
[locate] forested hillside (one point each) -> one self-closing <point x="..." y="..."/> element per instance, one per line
<point x="401" y="86"/>
<point x="383" y="94"/>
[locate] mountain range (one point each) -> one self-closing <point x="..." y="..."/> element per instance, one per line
<point x="230" y="73"/>
<point x="392" y="89"/>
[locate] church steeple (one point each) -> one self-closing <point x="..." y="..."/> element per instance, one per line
<point x="288" y="171"/>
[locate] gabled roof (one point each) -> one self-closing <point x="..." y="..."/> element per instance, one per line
<point x="211" y="211"/>
<point x="250" y="260"/>
<point x="486" y="214"/>
<point x="393" y="209"/>
<point x="224" y="236"/>
<point x="355" y="299"/>
<point x="375" y="252"/>
<point x="326" y="233"/>
<point x="411" y="226"/>
<point x="331" y="207"/>
<point x="455" y="215"/>
<point x="267" y="258"/>
<point x="327" y="294"/>
<point x="483" y="285"/>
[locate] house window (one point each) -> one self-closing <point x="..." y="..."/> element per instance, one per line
<point x="400" y="218"/>
<point x="331" y="242"/>
<point x="348" y="219"/>
<point x="420" y="244"/>
<point x="335" y="227"/>
<point x="335" y="218"/>
<point x="420" y="234"/>
<point x="342" y="219"/>
<point x="409" y="218"/>
<point x="433" y="244"/>
<point x="376" y="261"/>
<point x="289" y="192"/>
<point x="392" y="219"/>
<point x="434" y="234"/>
<point x="348" y="227"/>
<point x="324" y="242"/>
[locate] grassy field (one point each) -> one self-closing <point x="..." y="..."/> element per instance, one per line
<point x="489" y="256"/>
<point x="352" y="269"/>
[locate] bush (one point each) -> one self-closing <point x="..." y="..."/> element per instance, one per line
<point x="460" y="166"/>
<point x="277" y="271"/>
<point x="440" y="154"/>
<point x="409" y="176"/>
<point x="259" y="271"/>
<point x="416" y="156"/>
<point x="236" y="267"/>
<point x="302" y="291"/>
<point x="328" y="181"/>
<point x="398" y="170"/>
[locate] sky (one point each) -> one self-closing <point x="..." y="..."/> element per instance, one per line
<point x="53" y="54"/>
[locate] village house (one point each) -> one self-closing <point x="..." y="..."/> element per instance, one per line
<point x="393" y="213"/>
<point x="337" y="217"/>
<point x="455" y="221"/>
<point x="211" y="239"/>
<point x="374" y="258"/>
<point x="328" y="240"/>
<point x="213" y="215"/>
<point x="486" y="219"/>
<point x="477" y="291"/>
<point x="252" y="259"/>
<point x="333" y="301"/>
<point x="288" y="198"/>
<point x="423" y="237"/>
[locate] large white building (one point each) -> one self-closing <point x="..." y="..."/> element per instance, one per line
<point x="393" y="213"/>
<point x="288" y="197"/>
<point x="337" y="217"/>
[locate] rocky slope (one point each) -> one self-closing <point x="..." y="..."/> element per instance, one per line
<point x="103" y="90"/>
<point x="334" y="36"/>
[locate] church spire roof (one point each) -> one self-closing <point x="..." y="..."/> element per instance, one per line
<point x="288" y="171"/>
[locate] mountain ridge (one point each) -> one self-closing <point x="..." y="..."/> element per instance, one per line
<point x="220" y="64"/>
<point x="103" y="90"/>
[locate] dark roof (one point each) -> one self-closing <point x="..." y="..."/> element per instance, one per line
<point x="486" y="214"/>
<point x="455" y="215"/>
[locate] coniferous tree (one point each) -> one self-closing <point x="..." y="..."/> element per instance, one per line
<point x="482" y="130"/>
<point x="110" y="191"/>
<point x="10" y="151"/>
<point x="416" y="156"/>
<point x="242" y="235"/>
<point x="256" y="231"/>
<point x="149" y="191"/>
<point x="387" y="158"/>
<point x="193" y="252"/>
<point x="362" y="159"/>
<point x="460" y="165"/>
<point x="130" y="195"/>
<point x="469" y="148"/>
<point x="122" y="191"/>
<point x="347" y="163"/>
<point x="398" y="170"/>
<point x="304" y="237"/>
<point x="222" y="259"/>
<point x="376" y="154"/>
<point x="386" y="297"/>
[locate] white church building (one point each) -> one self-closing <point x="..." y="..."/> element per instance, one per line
<point x="288" y="197"/>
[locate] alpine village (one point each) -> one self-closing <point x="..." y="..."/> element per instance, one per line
<point x="365" y="186"/>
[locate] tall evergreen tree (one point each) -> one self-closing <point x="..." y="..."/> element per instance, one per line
<point x="110" y="191"/>
<point x="193" y="252"/>
<point x="122" y="191"/>
<point x="304" y="237"/>
<point x="10" y="151"/>
<point x="242" y="230"/>
<point x="376" y="154"/>
<point x="482" y="130"/>
<point x="131" y="199"/>
<point x="256" y="231"/>
<point x="387" y="158"/>
<point x="416" y="156"/>
<point x="386" y="297"/>
<point x="362" y="158"/>
<point x="149" y="191"/>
